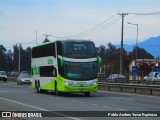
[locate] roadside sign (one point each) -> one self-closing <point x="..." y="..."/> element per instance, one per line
<point x="134" y="70"/>
<point x="156" y="69"/>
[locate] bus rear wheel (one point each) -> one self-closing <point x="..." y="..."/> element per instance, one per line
<point x="38" y="90"/>
<point x="87" y="94"/>
<point x="56" y="91"/>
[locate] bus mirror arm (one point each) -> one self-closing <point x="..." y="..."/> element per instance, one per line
<point x="99" y="59"/>
<point x="61" y="60"/>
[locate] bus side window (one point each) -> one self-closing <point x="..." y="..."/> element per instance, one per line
<point x="54" y="73"/>
<point x="59" y="48"/>
<point x="59" y="52"/>
<point x="61" y="69"/>
<point x="51" y="50"/>
<point x="48" y="71"/>
<point x="35" y="52"/>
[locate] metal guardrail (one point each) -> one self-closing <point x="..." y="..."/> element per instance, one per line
<point x="144" y="82"/>
<point x="130" y="88"/>
<point x="11" y="79"/>
<point x="131" y="81"/>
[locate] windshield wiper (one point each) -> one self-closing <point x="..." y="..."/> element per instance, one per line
<point x="90" y="77"/>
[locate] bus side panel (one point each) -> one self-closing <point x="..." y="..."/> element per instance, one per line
<point x="60" y="83"/>
<point x="49" y="86"/>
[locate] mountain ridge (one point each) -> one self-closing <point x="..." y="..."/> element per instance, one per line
<point x="151" y="45"/>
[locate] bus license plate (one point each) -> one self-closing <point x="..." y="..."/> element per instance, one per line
<point x="81" y="89"/>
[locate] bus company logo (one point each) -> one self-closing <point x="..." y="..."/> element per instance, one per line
<point x="50" y="61"/>
<point x="6" y="114"/>
<point x="81" y="83"/>
<point x="36" y="70"/>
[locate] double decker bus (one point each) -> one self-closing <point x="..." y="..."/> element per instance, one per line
<point x="68" y="66"/>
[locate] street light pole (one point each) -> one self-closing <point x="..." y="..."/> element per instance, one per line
<point x="136" y="38"/>
<point x="137" y="41"/>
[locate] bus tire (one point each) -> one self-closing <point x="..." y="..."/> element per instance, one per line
<point x="20" y="83"/>
<point x="56" y="90"/>
<point x="38" y="90"/>
<point x="87" y="94"/>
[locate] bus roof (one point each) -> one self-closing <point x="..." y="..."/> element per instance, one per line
<point x="68" y="40"/>
<point x="44" y="43"/>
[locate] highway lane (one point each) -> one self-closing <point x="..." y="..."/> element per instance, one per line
<point x="24" y="98"/>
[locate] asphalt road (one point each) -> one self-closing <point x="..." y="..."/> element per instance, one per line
<point x="15" y="97"/>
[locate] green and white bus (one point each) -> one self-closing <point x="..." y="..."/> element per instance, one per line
<point x="68" y="66"/>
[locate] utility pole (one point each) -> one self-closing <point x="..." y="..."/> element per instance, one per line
<point x="46" y="39"/>
<point x="121" y="51"/>
<point x="47" y="36"/>
<point x="36" y="37"/>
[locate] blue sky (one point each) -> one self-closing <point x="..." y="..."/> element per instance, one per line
<point x="19" y="20"/>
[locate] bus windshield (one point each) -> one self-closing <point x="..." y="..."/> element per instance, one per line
<point x="79" y="50"/>
<point x="80" y="70"/>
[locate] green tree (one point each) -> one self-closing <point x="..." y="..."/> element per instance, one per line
<point x="111" y="59"/>
<point x="2" y="58"/>
<point x="26" y="59"/>
<point x="141" y="53"/>
<point x="9" y="60"/>
<point x="16" y="57"/>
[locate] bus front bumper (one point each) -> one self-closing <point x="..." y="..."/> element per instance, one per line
<point x="78" y="89"/>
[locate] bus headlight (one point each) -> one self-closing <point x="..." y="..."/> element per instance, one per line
<point x="67" y="83"/>
<point x="94" y="82"/>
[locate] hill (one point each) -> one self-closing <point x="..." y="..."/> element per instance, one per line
<point x="151" y="45"/>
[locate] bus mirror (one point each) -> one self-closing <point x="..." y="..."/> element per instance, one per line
<point x="99" y="59"/>
<point x="61" y="61"/>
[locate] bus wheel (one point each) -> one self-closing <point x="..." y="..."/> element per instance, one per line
<point x="56" y="91"/>
<point x="87" y="94"/>
<point x="38" y="88"/>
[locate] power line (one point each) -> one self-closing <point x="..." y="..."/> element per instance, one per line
<point x="32" y="41"/>
<point x="153" y="13"/>
<point x="102" y="28"/>
<point x="93" y="30"/>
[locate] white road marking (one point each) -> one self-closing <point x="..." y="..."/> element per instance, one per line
<point x="92" y="104"/>
<point x="121" y="98"/>
<point x="74" y="100"/>
<point x="107" y="106"/>
<point x="114" y="108"/>
<point x="121" y="109"/>
<point x="7" y="91"/>
<point x="23" y="104"/>
<point x="38" y="108"/>
<point x="81" y="102"/>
